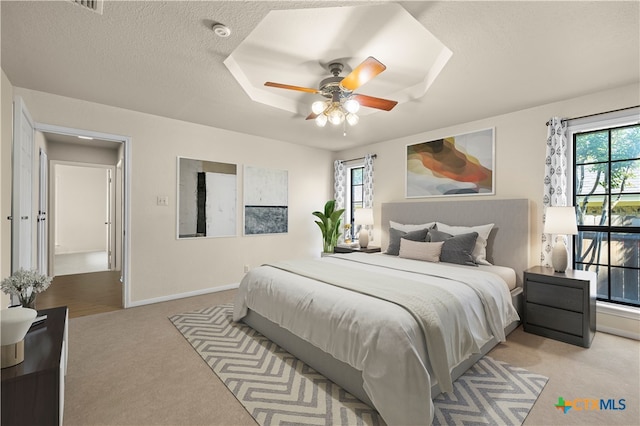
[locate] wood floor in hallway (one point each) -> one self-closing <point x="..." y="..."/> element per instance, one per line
<point x="84" y="294"/>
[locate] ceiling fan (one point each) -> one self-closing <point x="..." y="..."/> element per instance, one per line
<point x="342" y="103"/>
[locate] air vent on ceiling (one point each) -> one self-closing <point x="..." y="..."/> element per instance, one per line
<point x="92" y="5"/>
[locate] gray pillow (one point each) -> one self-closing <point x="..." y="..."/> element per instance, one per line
<point x="456" y="248"/>
<point x="395" y="235"/>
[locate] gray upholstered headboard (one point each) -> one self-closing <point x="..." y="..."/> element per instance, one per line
<point x="508" y="243"/>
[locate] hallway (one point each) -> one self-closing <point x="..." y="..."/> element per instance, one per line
<point x="84" y="294"/>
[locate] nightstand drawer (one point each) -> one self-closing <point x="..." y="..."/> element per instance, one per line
<point x="555" y="296"/>
<point x="554" y="319"/>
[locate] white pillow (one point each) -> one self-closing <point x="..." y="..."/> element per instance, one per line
<point x="418" y="250"/>
<point x="409" y="228"/>
<point x="480" y="250"/>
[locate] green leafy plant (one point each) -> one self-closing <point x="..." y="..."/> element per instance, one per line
<point x="329" y="225"/>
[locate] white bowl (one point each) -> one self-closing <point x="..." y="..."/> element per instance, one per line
<point x="15" y="323"/>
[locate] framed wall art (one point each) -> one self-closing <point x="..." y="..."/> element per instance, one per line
<point x="452" y="166"/>
<point x="207" y="198"/>
<point x="266" y="201"/>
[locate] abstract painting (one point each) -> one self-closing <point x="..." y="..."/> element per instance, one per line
<point x="266" y="201"/>
<point x="455" y="165"/>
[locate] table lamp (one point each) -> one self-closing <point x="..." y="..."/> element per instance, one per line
<point x="560" y="221"/>
<point x="14" y="325"/>
<point x="363" y="217"/>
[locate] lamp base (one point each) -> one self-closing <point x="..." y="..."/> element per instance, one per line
<point x="12" y="354"/>
<point x="363" y="238"/>
<point x="559" y="258"/>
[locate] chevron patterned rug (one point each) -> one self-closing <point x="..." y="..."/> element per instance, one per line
<point x="278" y="389"/>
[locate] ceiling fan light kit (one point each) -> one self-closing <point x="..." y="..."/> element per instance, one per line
<point x="342" y="104"/>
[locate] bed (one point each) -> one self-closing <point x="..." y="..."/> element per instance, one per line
<point x="376" y="349"/>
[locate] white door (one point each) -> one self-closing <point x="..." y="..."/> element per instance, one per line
<point x="43" y="247"/>
<point x="109" y="220"/>
<point x="21" y="212"/>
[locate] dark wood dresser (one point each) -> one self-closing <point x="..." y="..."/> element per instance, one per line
<point x="560" y="305"/>
<point x="33" y="391"/>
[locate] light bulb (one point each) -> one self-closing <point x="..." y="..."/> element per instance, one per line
<point x="352" y="106"/>
<point x="336" y="116"/>
<point x="321" y="120"/>
<point x="352" y="119"/>
<point x="318" y="106"/>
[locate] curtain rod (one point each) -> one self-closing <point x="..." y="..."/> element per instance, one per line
<point x="596" y="114"/>
<point x="359" y="158"/>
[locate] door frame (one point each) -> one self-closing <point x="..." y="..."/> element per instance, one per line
<point x="42" y="231"/>
<point x="126" y="208"/>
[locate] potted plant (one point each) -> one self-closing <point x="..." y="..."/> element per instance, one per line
<point x="329" y="224"/>
<point x="25" y="284"/>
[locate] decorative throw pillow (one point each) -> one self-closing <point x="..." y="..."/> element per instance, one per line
<point x="395" y="235"/>
<point x="456" y="248"/>
<point x="410" y="228"/>
<point x="480" y="249"/>
<point x="429" y="252"/>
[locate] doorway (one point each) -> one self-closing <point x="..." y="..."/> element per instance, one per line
<point x="83" y="204"/>
<point x="87" y="220"/>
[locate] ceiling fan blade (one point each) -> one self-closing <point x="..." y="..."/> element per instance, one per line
<point x="311" y="116"/>
<point x="372" y="102"/>
<point x="287" y="86"/>
<point x="364" y="72"/>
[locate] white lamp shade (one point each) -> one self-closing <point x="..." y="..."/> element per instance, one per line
<point x="318" y="107"/>
<point x="321" y="120"/>
<point x="352" y="106"/>
<point x="14" y="324"/>
<point x="336" y="116"/>
<point x="363" y="217"/>
<point x="561" y="220"/>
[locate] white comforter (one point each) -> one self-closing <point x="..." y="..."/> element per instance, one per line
<point x="379" y="338"/>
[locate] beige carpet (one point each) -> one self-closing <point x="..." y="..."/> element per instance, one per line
<point x="133" y="367"/>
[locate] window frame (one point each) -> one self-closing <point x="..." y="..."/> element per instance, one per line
<point x="607" y="121"/>
<point x="349" y="213"/>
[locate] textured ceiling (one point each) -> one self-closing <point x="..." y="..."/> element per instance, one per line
<point x="162" y="58"/>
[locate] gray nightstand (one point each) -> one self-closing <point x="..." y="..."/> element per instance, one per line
<point x="369" y="249"/>
<point x="560" y="305"/>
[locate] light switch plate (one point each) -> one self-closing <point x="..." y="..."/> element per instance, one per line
<point x="163" y="200"/>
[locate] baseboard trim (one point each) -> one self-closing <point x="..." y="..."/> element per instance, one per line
<point x="619" y="314"/>
<point x="618" y="310"/>
<point x="183" y="295"/>
<point x="618" y="332"/>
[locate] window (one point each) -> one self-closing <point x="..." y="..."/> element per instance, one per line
<point x="606" y="178"/>
<point x="355" y="195"/>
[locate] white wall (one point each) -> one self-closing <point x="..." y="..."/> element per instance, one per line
<point x="81" y="153"/>
<point x="520" y="144"/>
<point x="161" y="265"/>
<point x="80" y="208"/>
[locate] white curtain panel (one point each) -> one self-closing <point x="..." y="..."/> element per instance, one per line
<point x="367" y="195"/>
<point x="339" y="189"/>
<point x="555" y="178"/>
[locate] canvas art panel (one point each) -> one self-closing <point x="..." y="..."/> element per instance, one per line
<point x="266" y="201"/>
<point x="452" y="166"/>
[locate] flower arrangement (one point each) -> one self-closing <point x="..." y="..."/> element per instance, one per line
<point x="25" y="284"/>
